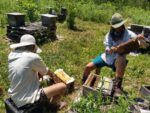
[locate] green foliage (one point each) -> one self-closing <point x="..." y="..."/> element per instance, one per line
<point x="145" y="4"/>
<point x="140" y="70"/>
<point x="1" y="103"/>
<point x="89" y="10"/>
<point x="30" y="7"/>
<point x="92" y="12"/>
<point x="71" y="19"/>
<point x="4" y="9"/>
<point x="136" y="71"/>
<point x="121" y="106"/>
<point x="99" y="104"/>
<point x="60" y="3"/>
<point x="78" y="48"/>
<point x="138" y="16"/>
<point x="2" y="20"/>
<point x="71" y="15"/>
<point x="89" y="104"/>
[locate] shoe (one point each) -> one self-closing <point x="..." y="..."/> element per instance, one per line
<point x="118" y="92"/>
<point x="117" y="87"/>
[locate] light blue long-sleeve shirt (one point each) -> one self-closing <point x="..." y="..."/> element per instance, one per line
<point x="109" y="42"/>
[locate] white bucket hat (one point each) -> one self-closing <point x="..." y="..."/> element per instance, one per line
<point x="26" y="40"/>
<point x="117" y="20"/>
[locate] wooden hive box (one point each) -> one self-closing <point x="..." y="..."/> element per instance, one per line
<point x="64" y="77"/>
<point x="48" y="20"/>
<point x="137" y="28"/>
<point x="16" y="19"/>
<point x="95" y="84"/>
<point x="145" y="90"/>
<point x="147" y="31"/>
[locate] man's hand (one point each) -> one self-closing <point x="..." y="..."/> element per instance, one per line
<point x="40" y="76"/>
<point x="54" y="77"/>
<point x="111" y="50"/>
<point x="141" y="41"/>
<point x="140" y="36"/>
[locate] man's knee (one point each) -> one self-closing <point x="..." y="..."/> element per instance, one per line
<point x="121" y="59"/>
<point x="90" y="66"/>
<point x="55" y="89"/>
<point x="87" y="68"/>
<point x="63" y="86"/>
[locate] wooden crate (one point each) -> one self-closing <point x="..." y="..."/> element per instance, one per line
<point x="87" y="90"/>
<point x="95" y="84"/>
<point x="145" y="90"/>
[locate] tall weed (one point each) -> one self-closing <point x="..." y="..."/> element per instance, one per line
<point x="92" y="104"/>
<point x="89" y="104"/>
<point x="71" y="15"/>
<point x="30" y="7"/>
<point x="92" y="12"/>
<point x="138" y="16"/>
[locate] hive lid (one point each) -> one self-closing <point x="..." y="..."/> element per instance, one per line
<point x="49" y="15"/>
<point x="15" y="13"/>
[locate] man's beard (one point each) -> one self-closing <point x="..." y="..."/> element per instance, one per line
<point x="117" y="35"/>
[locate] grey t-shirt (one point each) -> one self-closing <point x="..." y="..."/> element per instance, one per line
<point x="24" y="83"/>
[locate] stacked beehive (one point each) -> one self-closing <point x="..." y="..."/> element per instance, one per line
<point x="49" y="21"/>
<point x="61" y="15"/>
<point x="42" y="31"/>
<point x="15" y="20"/>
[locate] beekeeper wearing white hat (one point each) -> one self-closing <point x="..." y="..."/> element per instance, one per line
<point x="24" y="66"/>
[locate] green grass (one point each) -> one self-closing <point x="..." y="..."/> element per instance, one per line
<point x="89" y="10"/>
<point x="75" y="51"/>
<point x="80" y="47"/>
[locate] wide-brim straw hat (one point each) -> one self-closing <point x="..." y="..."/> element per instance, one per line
<point x="26" y="40"/>
<point x="117" y="20"/>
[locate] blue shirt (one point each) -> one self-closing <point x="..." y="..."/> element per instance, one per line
<point x="109" y="42"/>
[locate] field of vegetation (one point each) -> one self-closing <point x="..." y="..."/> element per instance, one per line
<point x="91" y="20"/>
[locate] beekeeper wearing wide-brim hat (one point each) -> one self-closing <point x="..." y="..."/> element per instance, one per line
<point x="25" y="67"/>
<point x="26" y="40"/>
<point x="117" y="35"/>
<point x="117" y="20"/>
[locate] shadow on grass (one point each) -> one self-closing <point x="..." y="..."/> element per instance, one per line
<point x="77" y="29"/>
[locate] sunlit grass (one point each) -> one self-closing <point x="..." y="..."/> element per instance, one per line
<point x="76" y="50"/>
<point x="79" y="47"/>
